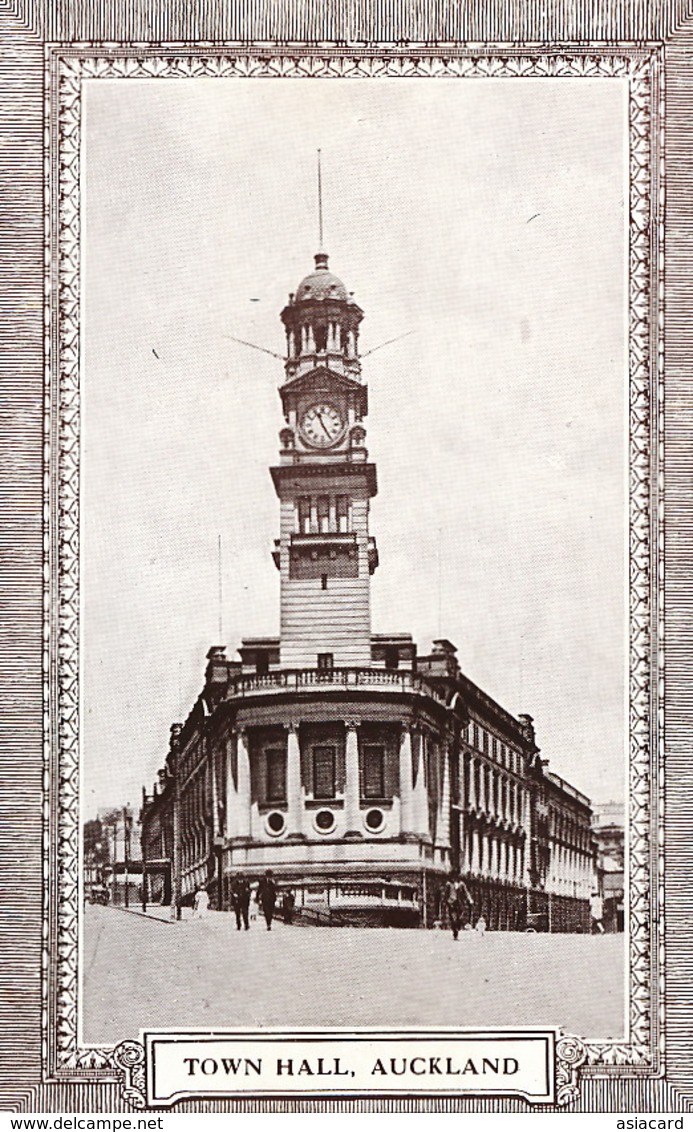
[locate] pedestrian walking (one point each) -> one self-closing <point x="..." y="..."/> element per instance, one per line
<point x="267" y="897"/>
<point x="288" y="903"/>
<point x="240" y="900"/>
<point x="200" y="903"/>
<point x="456" y="899"/>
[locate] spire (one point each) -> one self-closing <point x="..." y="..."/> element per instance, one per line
<point x="320" y="232"/>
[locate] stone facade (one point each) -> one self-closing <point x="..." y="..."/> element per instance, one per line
<point x="608" y="827"/>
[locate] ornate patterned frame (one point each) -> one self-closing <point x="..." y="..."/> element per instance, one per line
<point x="66" y="69"/>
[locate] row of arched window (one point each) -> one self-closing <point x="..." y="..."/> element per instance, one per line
<point x="495" y="792"/>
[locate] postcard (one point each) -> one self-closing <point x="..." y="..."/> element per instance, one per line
<point x="345" y="350"/>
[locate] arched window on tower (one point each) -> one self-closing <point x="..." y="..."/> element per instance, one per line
<point x="320" y="339"/>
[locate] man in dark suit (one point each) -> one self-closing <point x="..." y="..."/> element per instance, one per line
<point x="240" y="900"/>
<point x="267" y="897"/>
<point x="456" y="899"/>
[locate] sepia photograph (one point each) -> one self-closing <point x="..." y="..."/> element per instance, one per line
<point x="345" y="649"/>
<point x="353" y="539"/>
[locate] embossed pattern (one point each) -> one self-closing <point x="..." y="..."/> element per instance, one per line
<point x="67" y="69"/>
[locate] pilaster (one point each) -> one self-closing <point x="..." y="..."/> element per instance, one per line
<point x="420" y="794"/>
<point x="406" y="786"/>
<point x="443" y="825"/>
<point x="352" y="786"/>
<point x="231" y="791"/>
<point x="243" y="785"/>
<point x="294" y="791"/>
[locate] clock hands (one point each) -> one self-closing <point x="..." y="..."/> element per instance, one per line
<point x="324" y="427"/>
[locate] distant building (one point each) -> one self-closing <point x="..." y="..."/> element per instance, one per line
<point x="115" y="858"/>
<point x="357" y="770"/>
<point x="608" y="826"/>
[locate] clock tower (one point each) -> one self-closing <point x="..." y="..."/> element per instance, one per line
<point x="324" y="481"/>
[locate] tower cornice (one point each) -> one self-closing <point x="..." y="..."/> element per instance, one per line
<point x="293" y="472"/>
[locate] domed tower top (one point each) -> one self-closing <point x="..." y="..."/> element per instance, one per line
<point x="321" y="320"/>
<point x="321" y="284"/>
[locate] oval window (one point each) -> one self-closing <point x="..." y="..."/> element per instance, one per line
<point x="324" y="820"/>
<point x="375" y="819"/>
<point x="275" y="822"/>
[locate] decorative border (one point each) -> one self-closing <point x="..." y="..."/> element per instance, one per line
<point x="67" y="68"/>
<point x="129" y="1059"/>
<point x="571" y="1055"/>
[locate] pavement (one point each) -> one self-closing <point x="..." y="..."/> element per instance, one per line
<point x="147" y="971"/>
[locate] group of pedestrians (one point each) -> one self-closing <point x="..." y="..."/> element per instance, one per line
<point x="456" y="903"/>
<point x="265" y="898"/>
<point x="241" y="895"/>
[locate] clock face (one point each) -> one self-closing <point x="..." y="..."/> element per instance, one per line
<point x="321" y="424"/>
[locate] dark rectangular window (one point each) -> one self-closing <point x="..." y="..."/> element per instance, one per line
<point x="323" y="514"/>
<point x="373" y="772"/>
<point x="392" y="657"/>
<point x="276" y="775"/>
<point x="324" y="772"/>
<point x="342" y="514"/>
<point x="325" y="661"/>
<point x="304" y="514"/>
<point x="262" y="663"/>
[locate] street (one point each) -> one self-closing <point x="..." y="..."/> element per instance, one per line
<point x="140" y="971"/>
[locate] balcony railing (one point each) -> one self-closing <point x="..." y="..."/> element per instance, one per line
<point x="298" y="680"/>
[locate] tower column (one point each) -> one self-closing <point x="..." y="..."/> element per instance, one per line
<point x="405" y="783"/>
<point x="243" y="785"/>
<point x="231" y="791"/>
<point x="294" y="797"/>
<point x="419" y="794"/>
<point x="352" y="786"/>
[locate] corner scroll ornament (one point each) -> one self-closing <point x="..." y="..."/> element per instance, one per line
<point x="129" y="1057"/>
<point x="571" y="1053"/>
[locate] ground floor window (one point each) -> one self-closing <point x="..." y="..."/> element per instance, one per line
<point x="373" y="771"/>
<point x="276" y="775"/>
<point x="324" y="785"/>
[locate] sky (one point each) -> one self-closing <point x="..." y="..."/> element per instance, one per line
<point x="484" y="219"/>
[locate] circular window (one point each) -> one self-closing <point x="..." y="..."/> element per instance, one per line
<point x="276" y="823"/>
<point x="324" y="821"/>
<point x="375" y="820"/>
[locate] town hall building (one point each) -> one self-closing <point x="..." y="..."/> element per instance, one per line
<point x="359" y="771"/>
